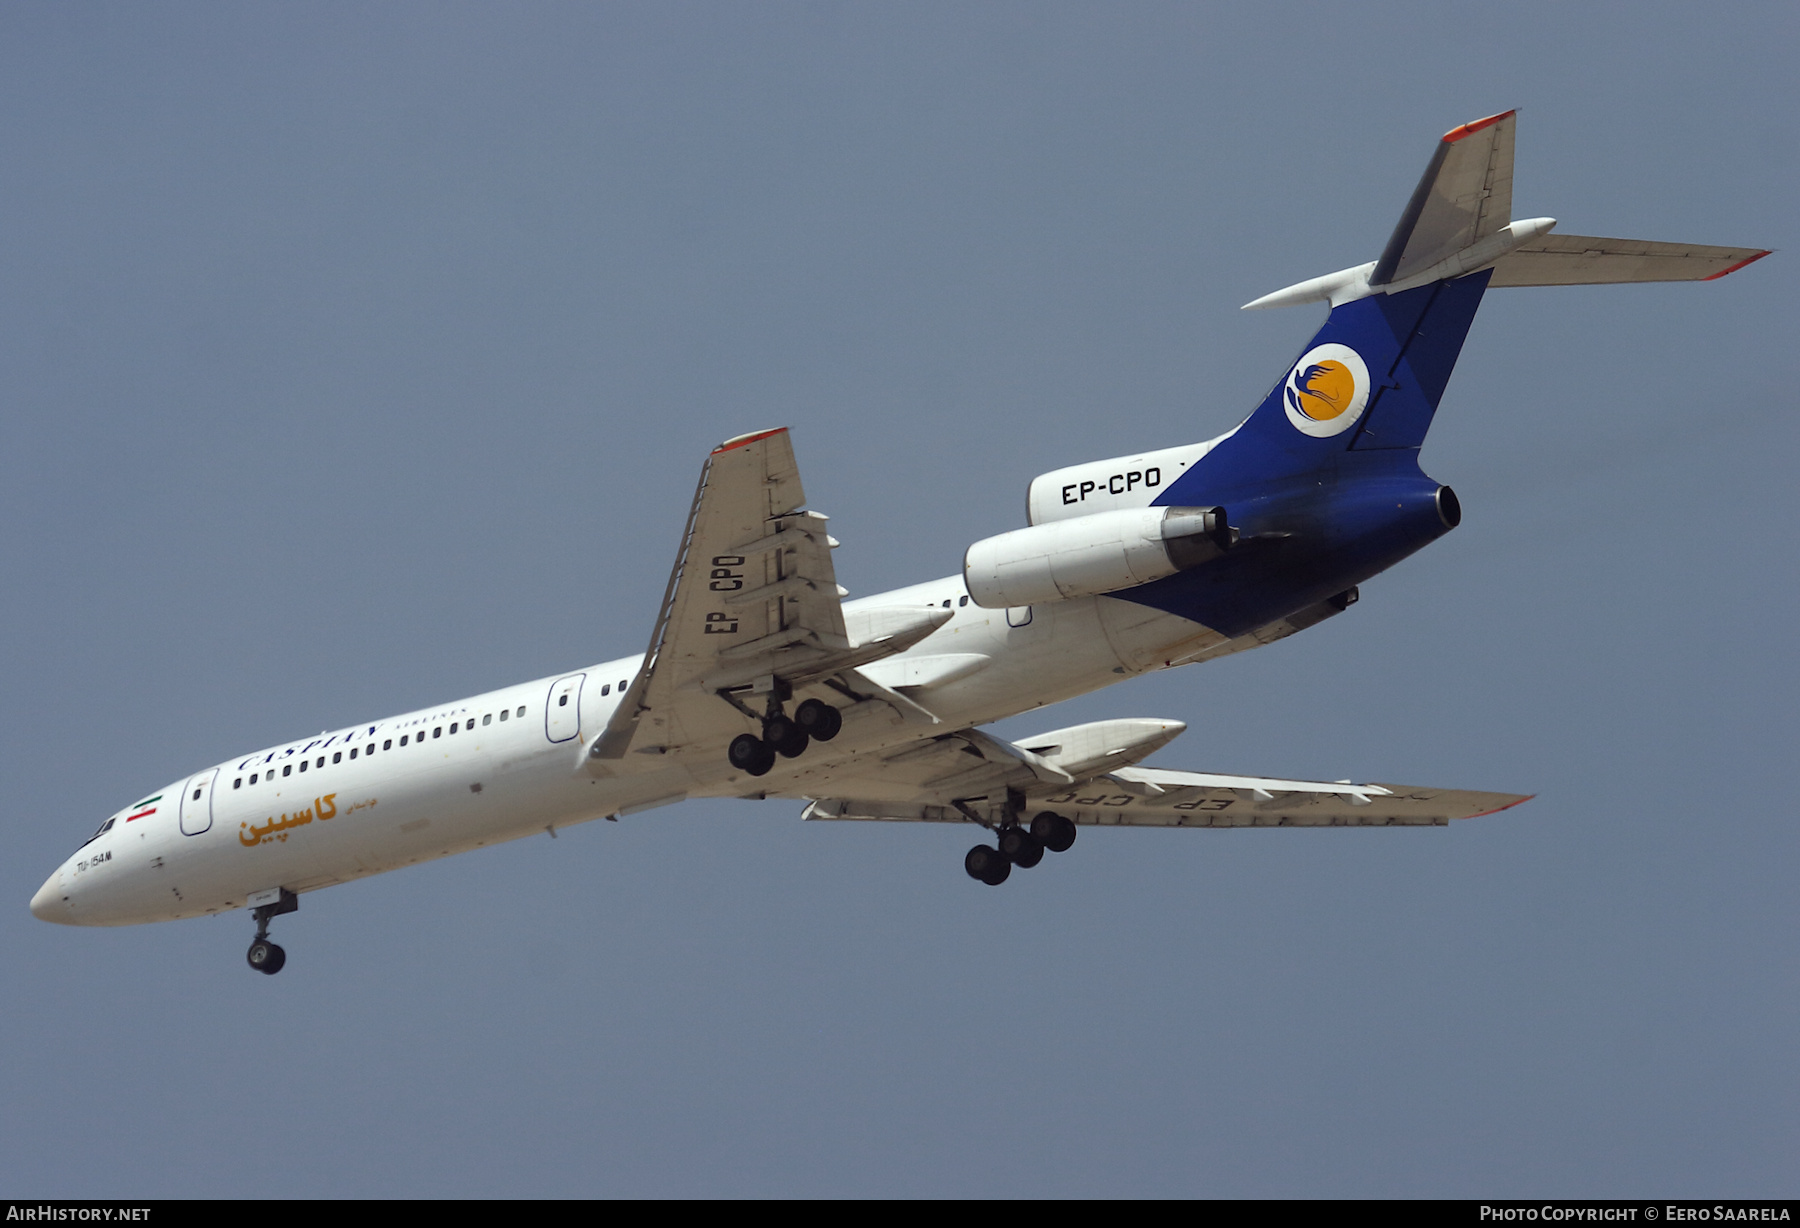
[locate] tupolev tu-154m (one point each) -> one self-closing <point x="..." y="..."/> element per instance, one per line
<point x="760" y="681"/>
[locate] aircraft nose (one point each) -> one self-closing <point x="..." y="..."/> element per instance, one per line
<point x="48" y="905"/>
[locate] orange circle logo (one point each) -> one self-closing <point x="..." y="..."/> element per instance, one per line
<point x="1326" y="390"/>
<point x="1323" y="390"/>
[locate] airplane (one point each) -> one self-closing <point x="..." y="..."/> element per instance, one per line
<point x="761" y="681"/>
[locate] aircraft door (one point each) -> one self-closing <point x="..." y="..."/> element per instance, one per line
<point x="196" y="803"/>
<point x="562" y="712"/>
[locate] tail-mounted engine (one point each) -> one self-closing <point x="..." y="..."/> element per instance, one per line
<point x="1089" y="555"/>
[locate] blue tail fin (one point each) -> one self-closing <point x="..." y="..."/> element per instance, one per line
<point x="1369" y="380"/>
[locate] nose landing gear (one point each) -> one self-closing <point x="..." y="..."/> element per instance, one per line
<point x="265" y="956"/>
<point x="1019" y="846"/>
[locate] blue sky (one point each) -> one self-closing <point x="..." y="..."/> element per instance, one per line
<point x="358" y="359"/>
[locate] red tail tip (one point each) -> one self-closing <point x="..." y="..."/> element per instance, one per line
<point x="1457" y="134"/>
<point x="740" y="440"/>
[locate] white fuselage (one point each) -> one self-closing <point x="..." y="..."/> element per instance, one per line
<point x="387" y="793"/>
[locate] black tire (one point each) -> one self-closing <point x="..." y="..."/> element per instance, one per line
<point x="266" y="957"/>
<point x="745" y="752"/>
<point x="819" y="719"/>
<point x="786" y="737"/>
<point x="765" y="761"/>
<point x="984" y="864"/>
<point x="1053" y="831"/>
<point x="1021" y="847"/>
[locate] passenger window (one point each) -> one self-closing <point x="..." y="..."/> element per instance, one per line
<point x="946" y="603"/>
<point x="438" y="732"/>
<point x="196" y="795"/>
<point x="336" y="757"/>
<point x="505" y="714"/>
<point x="621" y="687"/>
<point x="521" y="711"/>
<point x="303" y="765"/>
<point x="487" y="719"/>
<point x="455" y="725"/>
<point x="388" y="743"/>
<point x="353" y="751"/>
<point x="607" y="689"/>
<point x="962" y="601"/>
<point x="253" y="778"/>
<point x="287" y="769"/>
<point x="321" y="762"/>
<point x="563" y="702"/>
<point x="238" y="783"/>
<point x="403" y="739"/>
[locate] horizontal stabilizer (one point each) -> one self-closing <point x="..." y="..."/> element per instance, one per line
<point x="1583" y="260"/>
<point x="1459" y="222"/>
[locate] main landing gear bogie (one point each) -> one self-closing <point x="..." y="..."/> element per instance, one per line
<point x="813" y="721"/>
<point x="1019" y="846"/>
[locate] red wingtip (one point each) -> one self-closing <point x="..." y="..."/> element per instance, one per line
<point x="1734" y="268"/>
<point x="1457" y="134"/>
<point x="1508" y="806"/>
<point x="741" y="440"/>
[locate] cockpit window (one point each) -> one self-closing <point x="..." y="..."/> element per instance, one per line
<point x="104" y="828"/>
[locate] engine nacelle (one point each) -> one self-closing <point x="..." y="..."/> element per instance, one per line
<point x="1089" y="555"/>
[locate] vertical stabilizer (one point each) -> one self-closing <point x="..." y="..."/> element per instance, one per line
<point x="1369" y="380"/>
<point x="1464" y="196"/>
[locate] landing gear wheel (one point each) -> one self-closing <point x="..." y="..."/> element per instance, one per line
<point x="1053" y="831"/>
<point x="745" y="751"/>
<point x="1020" y="847"/>
<point x="785" y="736"/>
<point x="985" y="864"/>
<point x="749" y="753"/>
<point x="266" y="957"/>
<point x="820" y="720"/>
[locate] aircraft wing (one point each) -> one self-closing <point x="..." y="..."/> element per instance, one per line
<point x="752" y="607"/>
<point x="969" y="776"/>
